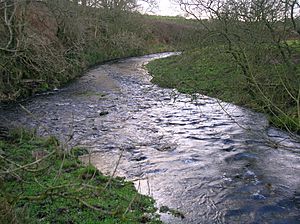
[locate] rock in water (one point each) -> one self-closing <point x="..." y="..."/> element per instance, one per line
<point x="4" y="132"/>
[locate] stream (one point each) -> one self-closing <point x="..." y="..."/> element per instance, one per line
<point x="213" y="162"/>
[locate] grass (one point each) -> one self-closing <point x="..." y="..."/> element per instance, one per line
<point x="197" y="71"/>
<point x="211" y="71"/>
<point x="59" y="189"/>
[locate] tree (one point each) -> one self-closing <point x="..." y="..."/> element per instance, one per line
<point x="256" y="34"/>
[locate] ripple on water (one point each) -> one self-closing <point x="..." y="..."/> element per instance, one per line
<point x="242" y="156"/>
<point x="190" y="161"/>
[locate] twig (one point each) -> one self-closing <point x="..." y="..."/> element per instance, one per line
<point x="35" y="118"/>
<point x="115" y="170"/>
<point x="20" y="167"/>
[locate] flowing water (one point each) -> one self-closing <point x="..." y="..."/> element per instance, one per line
<point x="213" y="162"/>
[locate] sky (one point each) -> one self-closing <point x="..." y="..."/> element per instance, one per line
<point x="167" y="8"/>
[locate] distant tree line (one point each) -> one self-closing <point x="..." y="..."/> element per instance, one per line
<point x="128" y="5"/>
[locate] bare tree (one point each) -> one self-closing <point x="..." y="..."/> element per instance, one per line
<point x="256" y="34"/>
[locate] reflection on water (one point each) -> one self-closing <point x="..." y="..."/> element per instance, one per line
<point x="212" y="161"/>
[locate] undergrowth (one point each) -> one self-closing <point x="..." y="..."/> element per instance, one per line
<point x="40" y="183"/>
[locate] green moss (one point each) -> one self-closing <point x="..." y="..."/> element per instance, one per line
<point x="78" y="151"/>
<point x="59" y="189"/>
<point x="174" y="212"/>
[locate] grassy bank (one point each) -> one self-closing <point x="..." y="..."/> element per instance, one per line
<point x="41" y="184"/>
<point x="213" y="72"/>
<point x="196" y="71"/>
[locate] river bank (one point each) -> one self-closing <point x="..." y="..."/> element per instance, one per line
<point x="212" y="71"/>
<point x="41" y="182"/>
<point x="53" y="42"/>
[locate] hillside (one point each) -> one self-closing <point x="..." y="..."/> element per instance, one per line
<point x="46" y="44"/>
